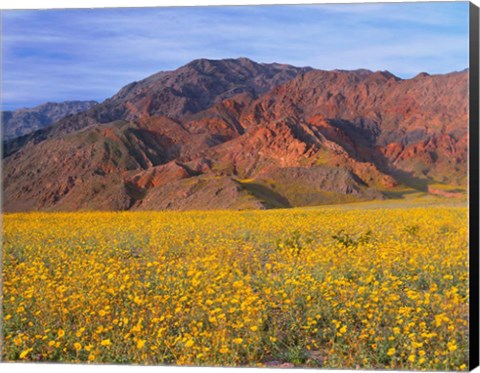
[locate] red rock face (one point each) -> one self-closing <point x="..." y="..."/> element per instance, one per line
<point x="201" y="130"/>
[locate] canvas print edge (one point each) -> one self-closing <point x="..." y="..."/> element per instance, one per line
<point x="473" y="183"/>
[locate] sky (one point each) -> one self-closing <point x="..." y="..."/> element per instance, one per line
<point x="89" y="54"/>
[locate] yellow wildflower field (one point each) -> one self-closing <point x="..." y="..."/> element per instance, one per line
<point x="336" y="287"/>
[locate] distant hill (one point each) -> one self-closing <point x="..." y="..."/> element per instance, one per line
<point x="239" y="134"/>
<point x="24" y="121"/>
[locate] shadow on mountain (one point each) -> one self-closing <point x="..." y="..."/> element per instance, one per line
<point x="268" y="197"/>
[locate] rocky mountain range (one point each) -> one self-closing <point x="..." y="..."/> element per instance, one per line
<point x="236" y="134"/>
<point x="24" y="121"/>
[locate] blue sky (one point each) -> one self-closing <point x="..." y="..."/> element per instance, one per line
<point x="57" y="55"/>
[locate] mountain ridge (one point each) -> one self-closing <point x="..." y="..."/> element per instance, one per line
<point x="246" y="132"/>
<point x="20" y="122"/>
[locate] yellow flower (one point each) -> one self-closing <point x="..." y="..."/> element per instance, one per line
<point x="189" y="343"/>
<point x="106" y="342"/>
<point x="202" y="288"/>
<point x="140" y="343"/>
<point x="452" y="346"/>
<point x="24" y="353"/>
<point x="78" y="334"/>
<point x="224" y="350"/>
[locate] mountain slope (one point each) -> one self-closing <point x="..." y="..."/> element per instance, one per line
<point x="417" y="126"/>
<point x="176" y="94"/>
<point x="237" y="134"/>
